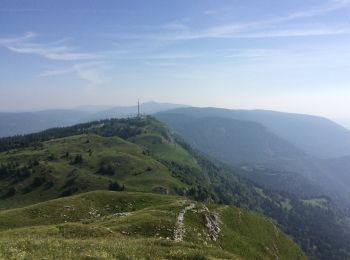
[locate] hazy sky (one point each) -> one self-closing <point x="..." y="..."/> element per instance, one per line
<point x="290" y="55"/>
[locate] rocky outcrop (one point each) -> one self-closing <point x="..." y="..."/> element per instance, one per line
<point x="180" y="229"/>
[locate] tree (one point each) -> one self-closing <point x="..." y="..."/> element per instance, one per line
<point x="115" y="186"/>
<point x="106" y="169"/>
<point x="11" y="192"/>
<point x="78" y="159"/>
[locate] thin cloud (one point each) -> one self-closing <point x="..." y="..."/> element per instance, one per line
<point x="52" y="51"/>
<point x="244" y="30"/>
<point x="241" y="31"/>
<point x="256" y="29"/>
<point x="333" y="6"/>
<point x="173" y="56"/>
<point x="91" y="72"/>
<point x="56" y="72"/>
<point x="15" y="40"/>
<point x="91" y="68"/>
<point x="295" y="33"/>
<point x="251" y="53"/>
<point x="160" y="64"/>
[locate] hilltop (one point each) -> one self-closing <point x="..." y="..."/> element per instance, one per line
<point x="17" y="123"/>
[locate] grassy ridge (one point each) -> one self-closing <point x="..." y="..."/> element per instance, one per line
<point x="55" y="165"/>
<point x="127" y="225"/>
<point x="141" y="154"/>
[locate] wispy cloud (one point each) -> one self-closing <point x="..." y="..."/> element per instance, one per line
<point x="243" y="31"/>
<point x="331" y="7"/>
<point x="160" y="64"/>
<point x="317" y="31"/>
<point x="7" y="41"/>
<point x="53" y="51"/>
<point x="56" y="72"/>
<point x="172" y="56"/>
<point x="250" y="53"/>
<point x="265" y="28"/>
<point x="261" y="28"/>
<point x="91" y="72"/>
<point x="90" y="67"/>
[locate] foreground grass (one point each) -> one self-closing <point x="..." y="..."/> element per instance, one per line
<point x="129" y="225"/>
<point x="116" y="248"/>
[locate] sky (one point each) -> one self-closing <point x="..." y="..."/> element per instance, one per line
<point x="290" y="55"/>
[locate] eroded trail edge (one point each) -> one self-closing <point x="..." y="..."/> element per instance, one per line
<point x="180" y="229"/>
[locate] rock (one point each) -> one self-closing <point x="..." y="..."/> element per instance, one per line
<point x="121" y="214"/>
<point x="180" y="230"/>
<point x="212" y="224"/>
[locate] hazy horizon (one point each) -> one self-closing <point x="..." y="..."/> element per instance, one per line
<point x="291" y="56"/>
<point x="342" y="121"/>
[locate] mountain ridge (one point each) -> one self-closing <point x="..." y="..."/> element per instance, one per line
<point x="141" y="154"/>
<point x="19" y="123"/>
<point x="318" y="136"/>
<point x="243" y="143"/>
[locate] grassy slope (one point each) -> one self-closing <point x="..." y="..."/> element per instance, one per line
<point x="149" y="161"/>
<point x="134" y="169"/>
<point x="90" y="225"/>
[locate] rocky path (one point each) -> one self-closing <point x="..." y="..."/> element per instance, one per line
<point x="180" y="229"/>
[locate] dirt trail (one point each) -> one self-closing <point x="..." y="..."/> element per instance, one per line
<point x="180" y="229"/>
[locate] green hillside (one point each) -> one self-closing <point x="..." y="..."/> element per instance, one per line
<point x="87" y="161"/>
<point x="127" y="154"/>
<point x="53" y="170"/>
<point x="105" y="224"/>
<point x="142" y="155"/>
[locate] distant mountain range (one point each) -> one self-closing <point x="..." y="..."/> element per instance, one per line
<point x="273" y="149"/>
<point x="317" y="136"/>
<point x="297" y="150"/>
<point x="29" y="122"/>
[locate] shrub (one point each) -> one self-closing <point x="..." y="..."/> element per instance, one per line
<point x="106" y="169"/>
<point x="78" y="159"/>
<point x="115" y="186"/>
<point x="11" y="192"/>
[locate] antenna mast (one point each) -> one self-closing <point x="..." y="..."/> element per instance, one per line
<point x="138" y="107"/>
